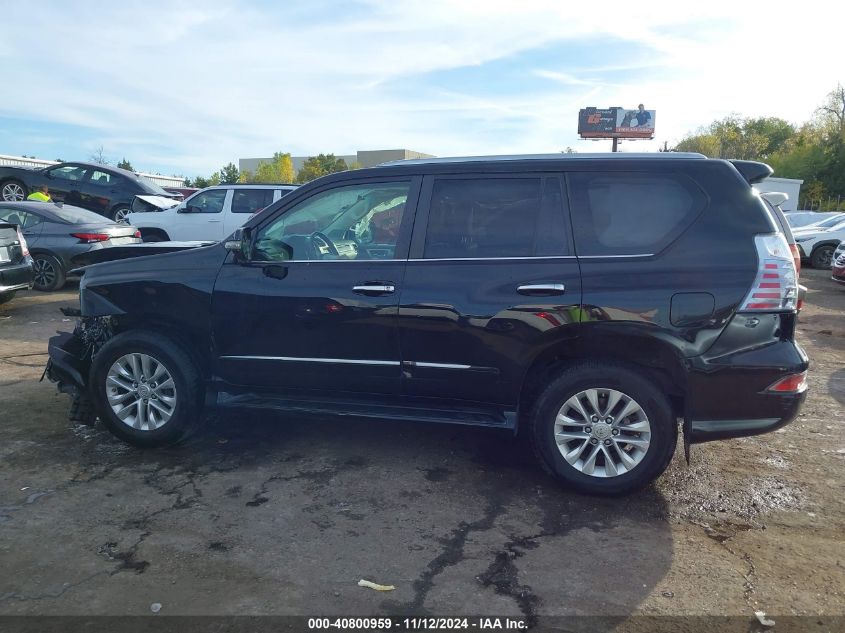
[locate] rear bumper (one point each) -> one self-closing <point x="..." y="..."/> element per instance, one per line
<point x="18" y="277"/>
<point x="837" y="273"/>
<point x="728" y="395"/>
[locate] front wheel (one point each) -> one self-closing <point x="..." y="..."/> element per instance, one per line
<point x="822" y="257"/>
<point x="603" y="429"/>
<point x="146" y="389"/>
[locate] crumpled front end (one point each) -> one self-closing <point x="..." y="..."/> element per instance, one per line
<point x="70" y="354"/>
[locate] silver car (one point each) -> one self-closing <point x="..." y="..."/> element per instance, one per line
<point x="55" y="234"/>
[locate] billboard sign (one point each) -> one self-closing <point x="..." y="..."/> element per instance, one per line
<point x="616" y="123"/>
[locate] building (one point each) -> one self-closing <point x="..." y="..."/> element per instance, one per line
<point x="789" y="186"/>
<point x="38" y="163"/>
<point x="366" y="158"/>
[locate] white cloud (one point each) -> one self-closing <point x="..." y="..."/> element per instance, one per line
<point x="188" y="87"/>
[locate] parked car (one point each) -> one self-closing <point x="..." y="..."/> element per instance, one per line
<point x="108" y="191"/>
<point x="837" y="269"/>
<point x="56" y="234"/>
<point x="210" y="214"/>
<point x="801" y="219"/>
<point x="15" y="263"/>
<point x="817" y="244"/>
<point x="575" y="299"/>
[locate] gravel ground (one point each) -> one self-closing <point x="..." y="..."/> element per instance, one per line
<point x="269" y="515"/>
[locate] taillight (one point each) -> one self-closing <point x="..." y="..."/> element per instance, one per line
<point x="776" y="284"/>
<point x="137" y="233"/>
<point x="796" y="257"/>
<point x="796" y="383"/>
<point x="91" y="237"/>
<point x="24" y="247"/>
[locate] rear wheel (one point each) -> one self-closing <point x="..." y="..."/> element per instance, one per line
<point x="49" y="273"/>
<point x="119" y="213"/>
<point x="822" y="257"/>
<point x="146" y="389"/>
<point x="13" y="191"/>
<point x="603" y="429"/>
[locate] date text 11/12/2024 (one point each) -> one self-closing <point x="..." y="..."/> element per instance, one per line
<point x="418" y="624"/>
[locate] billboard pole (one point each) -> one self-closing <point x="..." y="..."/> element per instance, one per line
<point x="615" y="144"/>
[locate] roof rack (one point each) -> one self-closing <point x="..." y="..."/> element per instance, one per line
<point x="562" y="157"/>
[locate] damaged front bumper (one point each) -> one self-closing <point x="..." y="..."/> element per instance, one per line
<point x="67" y="365"/>
<point x="70" y="354"/>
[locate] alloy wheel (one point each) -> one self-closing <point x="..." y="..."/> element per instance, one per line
<point x="120" y="216"/>
<point x="141" y="391"/>
<point x="12" y="192"/>
<point x="602" y="432"/>
<point x="45" y="272"/>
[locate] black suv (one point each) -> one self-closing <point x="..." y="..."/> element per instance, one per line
<point x="590" y="302"/>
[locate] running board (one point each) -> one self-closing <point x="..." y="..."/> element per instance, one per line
<point x="473" y="415"/>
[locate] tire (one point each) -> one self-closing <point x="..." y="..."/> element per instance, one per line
<point x="13" y="191"/>
<point x="49" y="273"/>
<point x="82" y="411"/>
<point x="661" y="435"/>
<point x="5" y="297"/>
<point x="181" y="396"/>
<point x="822" y="257"/>
<point x="118" y="214"/>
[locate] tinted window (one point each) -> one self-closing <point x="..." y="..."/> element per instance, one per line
<point x="207" y="201"/>
<point x="352" y="222"/>
<point x="251" y="200"/>
<point x="495" y="217"/>
<point x="68" y="172"/>
<point x="23" y="219"/>
<point x="102" y="178"/>
<point x="630" y="213"/>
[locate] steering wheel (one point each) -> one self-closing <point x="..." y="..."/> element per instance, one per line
<point x="323" y="245"/>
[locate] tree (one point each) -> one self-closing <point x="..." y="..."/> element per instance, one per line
<point x="125" y="164"/>
<point x="739" y="138"/>
<point x="320" y="165"/>
<point x="99" y="157"/>
<point x="278" y="170"/>
<point x="229" y="174"/>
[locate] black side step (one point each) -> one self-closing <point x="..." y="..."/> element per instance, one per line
<point x="477" y="415"/>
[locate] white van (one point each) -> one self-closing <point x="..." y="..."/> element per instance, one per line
<point x="210" y="214"/>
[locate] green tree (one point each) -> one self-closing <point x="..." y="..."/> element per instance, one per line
<point x="320" y="165"/>
<point x="229" y="174"/>
<point x="739" y="138"/>
<point x="201" y="183"/>
<point x="278" y="170"/>
<point x="125" y="164"/>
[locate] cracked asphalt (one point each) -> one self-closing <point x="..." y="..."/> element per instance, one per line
<point x="263" y="514"/>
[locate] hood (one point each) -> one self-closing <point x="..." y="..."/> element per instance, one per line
<point x="141" y="249"/>
<point x="147" y="203"/>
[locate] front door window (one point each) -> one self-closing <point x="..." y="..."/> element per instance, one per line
<point x="352" y="222"/>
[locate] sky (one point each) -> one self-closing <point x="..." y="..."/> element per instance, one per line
<point x="186" y="87"/>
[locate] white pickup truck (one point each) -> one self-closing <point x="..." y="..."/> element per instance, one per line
<point x="210" y="214"/>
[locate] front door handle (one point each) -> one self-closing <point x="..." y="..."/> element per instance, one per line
<point x="375" y="289"/>
<point x="541" y="290"/>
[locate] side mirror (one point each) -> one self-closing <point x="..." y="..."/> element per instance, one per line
<point x="240" y="243"/>
<point x="186" y="209"/>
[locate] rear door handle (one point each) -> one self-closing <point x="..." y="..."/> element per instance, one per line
<point x="541" y="290"/>
<point x="375" y="289"/>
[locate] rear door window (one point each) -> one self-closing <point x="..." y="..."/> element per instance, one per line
<point x="630" y="213"/>
<point x="251" y="200"/>
<point x="487" y="218"/>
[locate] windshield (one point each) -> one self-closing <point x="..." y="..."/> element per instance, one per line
<point x="836" y="219"/>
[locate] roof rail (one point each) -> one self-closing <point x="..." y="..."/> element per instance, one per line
<point x="561" y="157"/>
